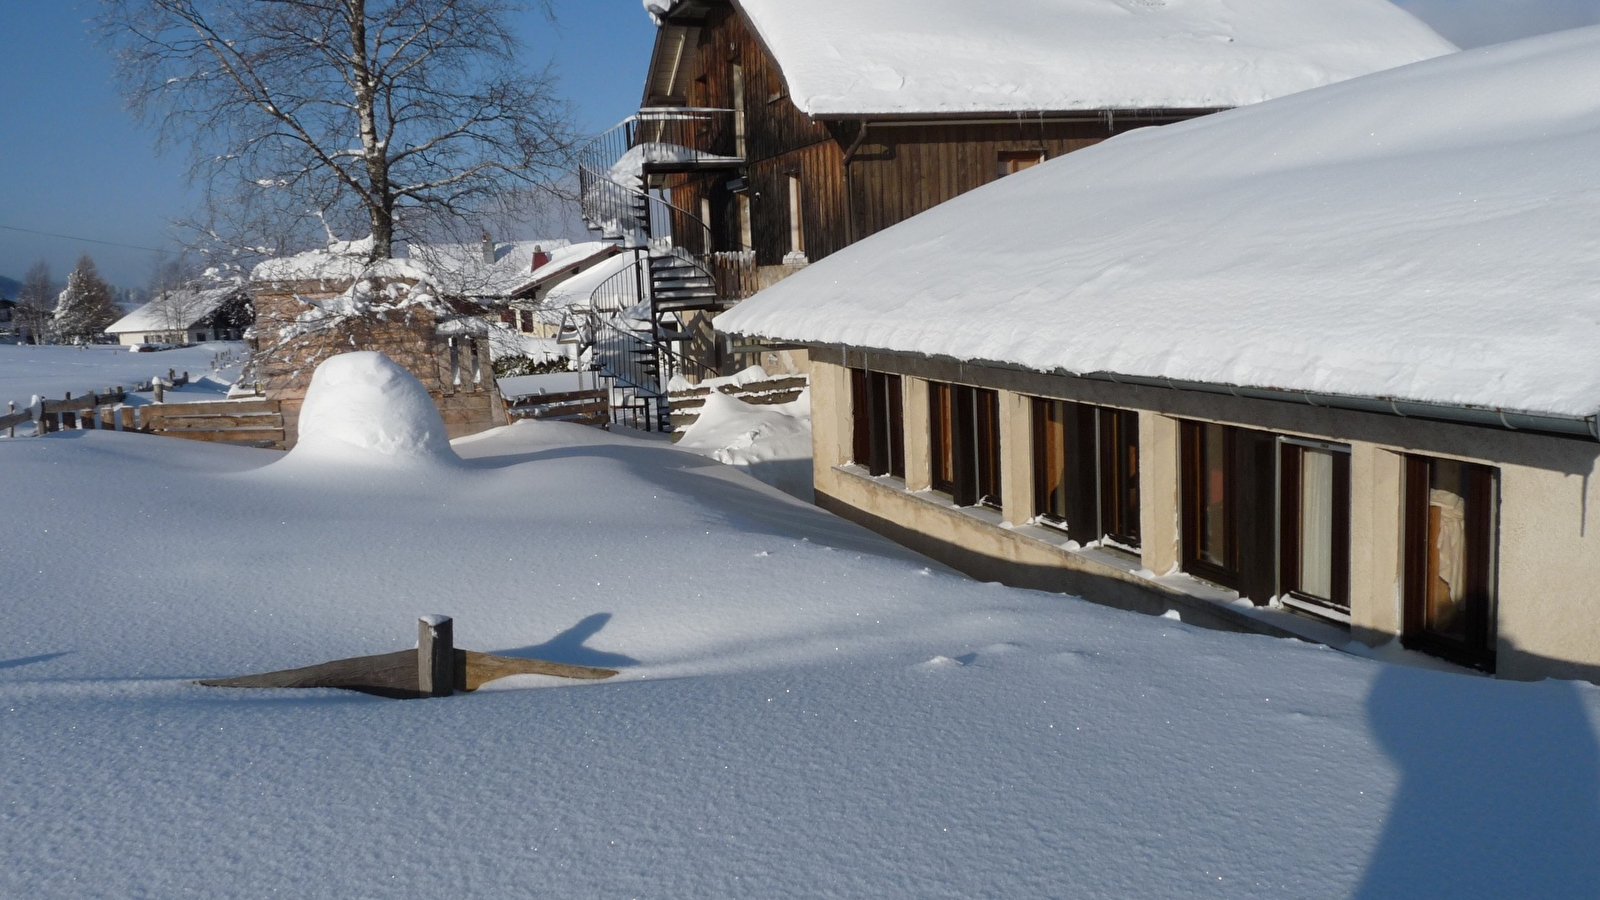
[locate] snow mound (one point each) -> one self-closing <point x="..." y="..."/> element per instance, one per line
<point x="770" y="442"/>
<point x="363" y="407"/>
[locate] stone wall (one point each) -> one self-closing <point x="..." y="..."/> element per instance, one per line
<point x="456" y="370"/>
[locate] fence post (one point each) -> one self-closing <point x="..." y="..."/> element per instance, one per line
<point x="436" y="656"/>
<point x="11" y="410"/>
<point x="159" y="387"/>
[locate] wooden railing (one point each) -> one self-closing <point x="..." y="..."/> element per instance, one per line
<point x="686" y="404"/>
<point x="591" y="407"/>
<point x="254" y="423"/>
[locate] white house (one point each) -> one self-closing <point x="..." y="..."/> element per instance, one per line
<point x="189" y="315"/>
<point x="1332" y="356"/>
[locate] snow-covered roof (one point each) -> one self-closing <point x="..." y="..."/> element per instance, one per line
<point x="461" y="268"/>
<point x="178" y="310"/>
<point x="1430" y="233"/>
<point x="859" y="57"/>
<point x="340" y="261"/>
<point x="576" y="291"/>
<point x="564" y="257"/>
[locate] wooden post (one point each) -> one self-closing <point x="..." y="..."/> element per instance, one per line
<point x="11" y="409"/>
<point x="436" y="656"/>
<point x="159" y="388"/>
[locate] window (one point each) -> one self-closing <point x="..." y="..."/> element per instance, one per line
<point x="1228" y="507"/>
<point x="797" y="242"/>
<point x="1086" y="470"/>
<point x="877" y="410"/>
<point x="965" y="436"/>
<point x="1013" y="161"/>
<point x="1451" y="521"/>
<point x="1314" y="527"/>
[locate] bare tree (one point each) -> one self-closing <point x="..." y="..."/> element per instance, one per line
<point x="404" y="116"/>
<point x="36" y="303"/>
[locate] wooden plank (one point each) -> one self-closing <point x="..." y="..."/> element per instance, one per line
<point x="12" y="421"/>
<point x="210" y="407"/>
<point x="482" y="668"/>
<point x="208" y="423"/>
<point x="564" y="397"/>
<point x="396" y="675"/>
<point x="568" y="409"/>
<point x="384" y="675"/>
<point x="226" y="435"/>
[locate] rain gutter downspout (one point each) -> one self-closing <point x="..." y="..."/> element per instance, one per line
<point x="849" y="183"/>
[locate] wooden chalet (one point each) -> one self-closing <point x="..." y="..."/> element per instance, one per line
<point x="727" y="181"/>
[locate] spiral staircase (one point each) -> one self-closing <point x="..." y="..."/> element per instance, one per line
<point x="633" y="330"/>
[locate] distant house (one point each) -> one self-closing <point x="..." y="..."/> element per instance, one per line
<point x="774" y="133"/>
<point x="188" y="315"/>
<point x="1315" y="355"/>
<point x="8" y="312"/>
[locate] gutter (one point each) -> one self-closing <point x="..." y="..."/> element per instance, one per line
<point x="1585" y="427"/>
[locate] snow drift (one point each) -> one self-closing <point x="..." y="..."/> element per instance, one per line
<point x="364" y="408"/>
<point x="1430" y="233"/>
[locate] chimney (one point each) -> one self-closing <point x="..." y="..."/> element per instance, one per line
<point x="488" y="249"/>
<point x="539" y="257"/>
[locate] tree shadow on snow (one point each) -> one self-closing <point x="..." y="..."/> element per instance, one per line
<point x="568" y="647"/>
<point x="21" y="661"/>
<point x="1499" y="789"/>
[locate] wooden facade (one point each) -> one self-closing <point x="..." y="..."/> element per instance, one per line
<point x="856" y="176"/>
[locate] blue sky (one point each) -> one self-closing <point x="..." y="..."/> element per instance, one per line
<point x="72" y="162"/>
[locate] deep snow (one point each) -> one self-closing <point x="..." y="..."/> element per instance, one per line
<point x="805" y="709"/>
<point x="1426" y="233"/>
<point x="53" y="371"/>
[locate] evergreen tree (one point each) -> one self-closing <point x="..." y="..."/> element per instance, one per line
<point x="84" y="309"/>
<point x="35" y="303"/>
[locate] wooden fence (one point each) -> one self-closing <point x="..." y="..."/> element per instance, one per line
<point x="591" y="407"/>
<point x="686" y="404"/>
<point x="254" y="423"/>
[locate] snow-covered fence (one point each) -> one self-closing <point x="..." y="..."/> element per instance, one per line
<point x="92" y="410"/>
<point x="591" y="407"/>
<point x="256" y="423"/>
<point x="686" y="403"/>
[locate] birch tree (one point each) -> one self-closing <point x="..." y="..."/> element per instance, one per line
<point x="402" y="116"/>
<point x="36" y="303"/>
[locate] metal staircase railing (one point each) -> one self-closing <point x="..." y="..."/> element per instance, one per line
<point x="676" y="269"/>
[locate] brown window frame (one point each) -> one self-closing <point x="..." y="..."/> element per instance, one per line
<point x="878" y="421"/>
<point x="1249" y="510"/>
<point x="1010" y="162"/>
<point x="1290" y="490"/>
<point x="1481" y="550"/>
<point x="964" y="439"/>
<point x="1083" y="480"/>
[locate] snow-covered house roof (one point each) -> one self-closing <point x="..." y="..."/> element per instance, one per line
<point x="1430" y="233"/>
<point x="464" y="269"/>
<point x="179" y="310"/>
<point x="577" y="290"/>
<point x="885" y="57"/>
<point x="564" y="258"/>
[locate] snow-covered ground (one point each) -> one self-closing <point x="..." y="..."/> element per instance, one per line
<point x="770" y="442"/>
<point x="52" y="371"/>
<point x="804" y="709"/>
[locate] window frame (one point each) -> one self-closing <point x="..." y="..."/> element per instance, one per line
<point x="1291" y="454"/>
<point x="1086" y="470"/>
<point x="964" y="443"/>
<point x="1481" y="552"/>
<point x="877" y="403"/>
